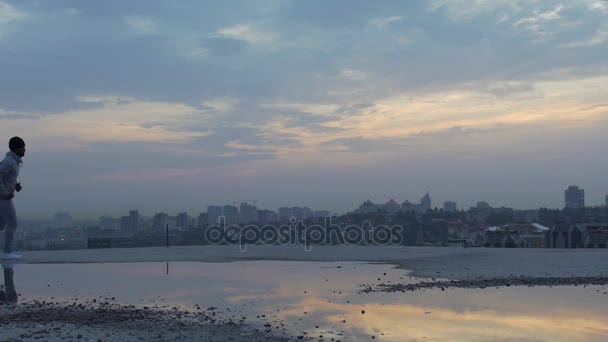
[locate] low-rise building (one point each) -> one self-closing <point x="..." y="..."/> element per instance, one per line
<point x="566" y="234"/>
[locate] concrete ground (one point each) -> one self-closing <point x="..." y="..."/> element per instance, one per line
<point x="447" y="262"/>
<point x="32" y="323"/>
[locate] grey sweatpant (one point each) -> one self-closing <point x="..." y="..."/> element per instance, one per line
<point x="8" y="221"/>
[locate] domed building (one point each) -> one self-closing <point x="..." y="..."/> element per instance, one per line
<point x="367" y="208"/>
<point x="392" y="206"/>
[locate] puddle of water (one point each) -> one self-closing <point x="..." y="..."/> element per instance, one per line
<point x="322" y="299"/>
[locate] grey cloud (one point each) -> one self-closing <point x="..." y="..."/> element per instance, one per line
<point x="361" y="144"/>
<point x="355" y="109"/>
<point x="221" y="135"/>
<point x="459" y="131"/>
<point x="17" y="116"/>
<point x="596" y="106"/>
<point x="506" y="89"/>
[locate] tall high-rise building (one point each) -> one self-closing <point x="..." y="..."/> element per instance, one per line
<point x="213" y="214"/>
<point x="182" y="220"/>
<point x="425" y="202"/>
<point x="159" y="221"/>
<point x="203" y="220"/>
<point x="267" y="217"/>
<point x="285" y="214"/>
<point x="574" y="197"/>
<point x="131" y="222"/>
<point x="606" y="204"/>
<point x="450" y="206"/>
<point x="249" y="213"/>
<point x="231" y="213"/>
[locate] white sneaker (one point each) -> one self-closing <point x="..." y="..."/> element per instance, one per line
<point x="11" y="256"/>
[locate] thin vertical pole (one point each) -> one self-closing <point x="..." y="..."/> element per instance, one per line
<point x="167" y="235"/>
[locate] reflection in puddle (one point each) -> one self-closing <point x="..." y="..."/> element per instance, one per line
<point x="322" y="299"/>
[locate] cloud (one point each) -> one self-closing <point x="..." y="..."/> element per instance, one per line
<point x="459" y="131"/>
<point x="599" y="37"/>
<point x="385" y="21"/>
<point x="596" y="106"/>
<point x="8" y="15"/>
<point x="312" y="108"/>
<point x="536" y="22"/>
<point x="4" y="115"/>
<point x="141" y="24"/>
<point x="507" y="89"/>
<point x="541" y="17"/>
<point x="364" y="145"/>
<point x="354" y="75"/>
<point x="117" y="119"/>
<point x="222" y="104"/>
<point x="104" y="99"/>
<point x="463" y="10"/>
<point x="247" y="33"/>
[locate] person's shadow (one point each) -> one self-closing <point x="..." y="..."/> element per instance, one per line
<point x="8" y="293"/>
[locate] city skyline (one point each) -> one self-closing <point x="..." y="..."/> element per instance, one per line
<point x="426" y="203"/>
<point x="166" y="106"/>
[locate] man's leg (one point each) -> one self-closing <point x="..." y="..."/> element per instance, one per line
<point x="9" y="216"/>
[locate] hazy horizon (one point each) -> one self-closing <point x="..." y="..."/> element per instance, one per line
<point x="167" y="106"/>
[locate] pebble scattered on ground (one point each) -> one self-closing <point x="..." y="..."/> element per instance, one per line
<point x="105" y="320"/>
<point x="482" y="283"/>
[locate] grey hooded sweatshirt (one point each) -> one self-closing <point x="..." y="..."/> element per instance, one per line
<point x="9" y="171"/>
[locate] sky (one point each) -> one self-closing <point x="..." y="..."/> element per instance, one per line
<point x="176" y="105"/>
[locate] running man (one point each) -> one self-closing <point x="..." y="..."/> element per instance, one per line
<point x="9" y="171"/>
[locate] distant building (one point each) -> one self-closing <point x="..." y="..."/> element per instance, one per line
<point x="516" y="235"/>
<point x="125" y="223"/>
<point x="574" y="197"/>
<point x="450" y="206"/>
<point x="320" y="214"/>
<point x="391" y="206"/>
<point x="203" y="220"/>
<point x="159" y="221"/>
<point x="109" y="223"/>
<point x="503" y="238"/>
<point x="367" y="208"/>
<point x="407" y="206"/>
<point x="182" y="220"/>
<point x="267" y="217"/>
<point x="483" y="205"/>
<point x="299" y="213"/>
<point x="527" y="216"/>
<point x="214" y="212"/>
<point x="249" y="213"/>
<point x="577" y="235"/>
<point x="307" y="213"/>
<point x="231" y="213"/>
<point x="131" y="222"/>
<point x="285" y="214"/>
<point x="606" y="203"/>
<point x="596" y="236"/>
<point x="425" y="203"/>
